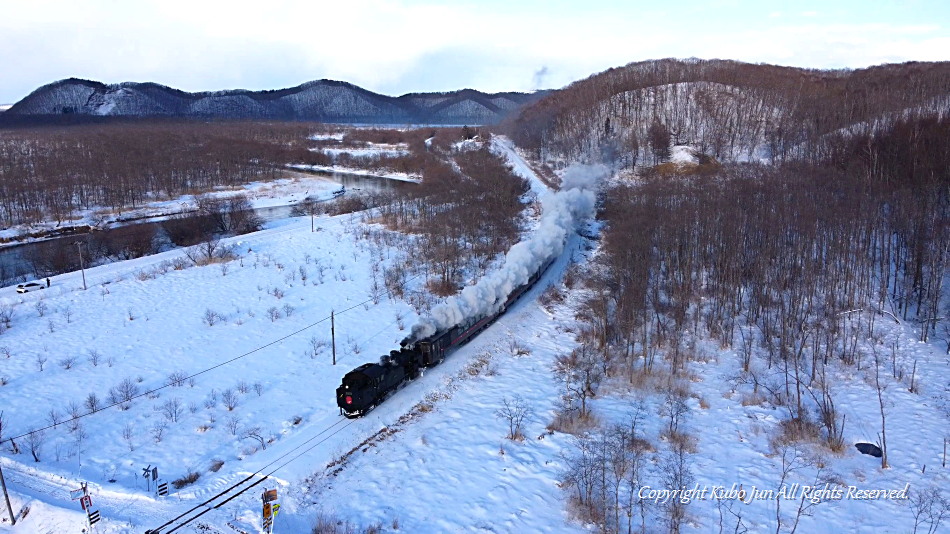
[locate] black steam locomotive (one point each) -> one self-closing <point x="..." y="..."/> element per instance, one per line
<point x="368" y="385"/>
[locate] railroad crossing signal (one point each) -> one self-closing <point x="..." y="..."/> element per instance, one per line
<point x="270" y="510"/>
<point x="150" y="474"/>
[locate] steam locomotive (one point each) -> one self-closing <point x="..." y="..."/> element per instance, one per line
<point x="368" y="385"/>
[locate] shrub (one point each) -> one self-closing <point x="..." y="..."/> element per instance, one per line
<point x="186" y="480"/>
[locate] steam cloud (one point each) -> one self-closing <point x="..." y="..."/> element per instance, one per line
<point x="539" y="76"/>
<point x="560" y="212"/>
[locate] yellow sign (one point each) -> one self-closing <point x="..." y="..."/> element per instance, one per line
<point x="267" y="510"/>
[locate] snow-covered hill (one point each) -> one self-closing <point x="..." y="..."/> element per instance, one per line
<point x="322" y="100"/>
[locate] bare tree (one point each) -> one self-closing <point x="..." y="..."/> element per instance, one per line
<point x="177" y="379"/>
<point x="232" y="424"/>
<point x="317" y="346"/>
<point x="53" y="417"/>
<point x="211" y="317"/>
<point x="35" y="441"/>
<point x="929" y="507"/>
<point x="123" y="393"/>
<point x="580" y="374"/>
<point x="128" y="433"/>
<point x="230" y="399"/>
<point x="514" y="411"/>
<point x="254" y="433"/>
<point x="677" y="474"/>
<point x="158" y="430"/>
<point x="92" y="403"/>
<point x="3" y="425"/>
<point x="880" y="398"/>
<point x="172" y="409"/>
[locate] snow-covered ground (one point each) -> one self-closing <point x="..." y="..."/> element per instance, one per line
<point x="683" y="155"/>
<point x="369" y="151"/>
<point x="389" y="175"/>
<point x="142" y="321"/>
<point x="447" y="467"/>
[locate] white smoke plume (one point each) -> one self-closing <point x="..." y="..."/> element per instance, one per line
<point x="561" y="210"/>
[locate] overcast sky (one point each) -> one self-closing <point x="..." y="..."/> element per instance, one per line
<point x="396" y="47"/>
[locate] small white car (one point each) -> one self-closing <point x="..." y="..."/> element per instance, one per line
<point x="32" y="286"/>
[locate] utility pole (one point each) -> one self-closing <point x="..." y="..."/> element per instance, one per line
<point x="7" y="497"/>
<point x="333" y="336"/>
<point x="81" y="268"/>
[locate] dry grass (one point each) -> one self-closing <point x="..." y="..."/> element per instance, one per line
<point x="325" y="524"/>
<point x="681" y="440"/>
<point x="551" y="297"/>
<point x="186" y="480"/>
<point x="584" y="511"/>
<point x="440" y="287"/>
<point x="517" y="347"/>
<point x="573" y="422"/>
<point x="667" y="170"/>
<point x="478" y="366"/>
<point x="752" y="399"/>
<point x="796" y="430"/>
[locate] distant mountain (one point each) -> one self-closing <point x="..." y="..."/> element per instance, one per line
<point x="322" y="100"/>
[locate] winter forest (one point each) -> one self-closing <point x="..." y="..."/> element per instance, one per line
<point x="755" y="302"/>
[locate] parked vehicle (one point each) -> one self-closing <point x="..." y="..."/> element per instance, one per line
<point x="32" y="286"/>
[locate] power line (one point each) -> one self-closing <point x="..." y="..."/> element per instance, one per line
<point x="249" y="477"/>
<point x="222" y="364"/>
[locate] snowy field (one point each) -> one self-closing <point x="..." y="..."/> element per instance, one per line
<point x="368" y="151"/>
<point x="222" y="353"/>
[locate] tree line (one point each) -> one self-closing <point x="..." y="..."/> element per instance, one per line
<point x="53" y="172"/>
<point x="793" y="266"/>
<point x="729" y="110"/>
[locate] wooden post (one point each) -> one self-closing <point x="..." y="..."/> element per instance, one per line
<point x="333" y="336"/>
<point x="7" y="497"/>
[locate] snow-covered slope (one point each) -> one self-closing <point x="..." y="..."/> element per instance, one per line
<point x="323" y="100"/>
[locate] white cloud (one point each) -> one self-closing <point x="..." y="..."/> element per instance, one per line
<point x="397" y="46"/>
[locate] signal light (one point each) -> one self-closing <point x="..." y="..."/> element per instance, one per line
<point x="349" y="399"/>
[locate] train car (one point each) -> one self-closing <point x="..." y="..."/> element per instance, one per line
<point x="369" y="384"/>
